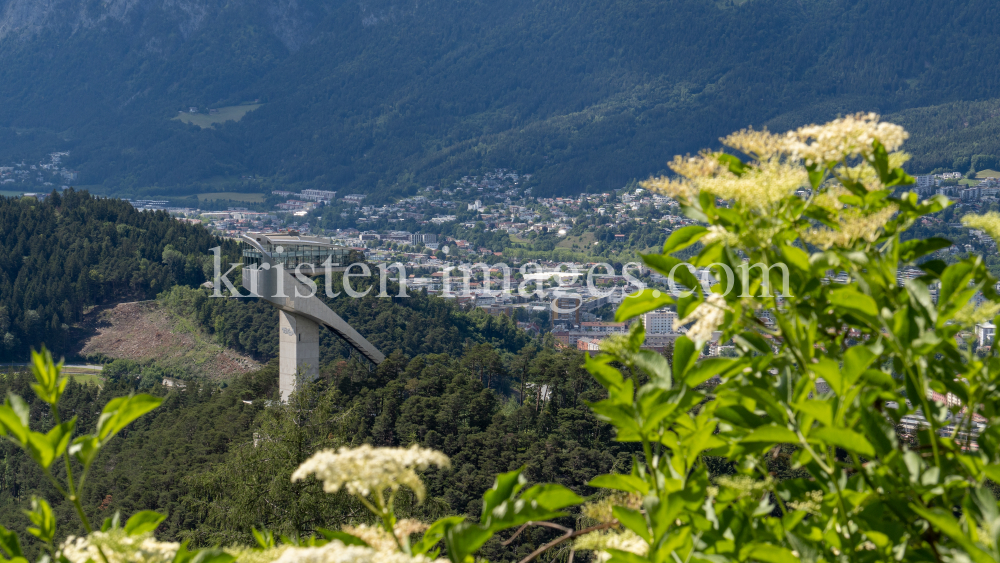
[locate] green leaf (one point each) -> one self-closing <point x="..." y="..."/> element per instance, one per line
<point x="464" y="539"/>
<point x="85" y="448"/>
<point x="265" y="539"/>
<point x="11" y="424"/>
<point x="10" y="543"/>
<point x="642" y="302"/>
<point x="119" y="412"/>
<point x="740" y="416"/>
<point x="619" y="556"/>
<point x="947" y="524"/>
<point x="44" y="522"/>
<point x="771" y="434"/>
<point x="212" y="555"/>
<point x="633" y="520"/>
<point x="735" y="165"/>
<point x="46" y="448"/>
<point x="879" y="431"/>
<point x="796" y="257"/>
<point x="830" y="371"/>
<point x="50" y="383"/>
<point x="502" y="510"/>
<point x="551" y="496"/>
<point x="816" y="175"/>
<point x="40" y="449"/>
<point x="504" y="488"/>
<point x="636" y="337"/>
<point x="854" y="302"/>
<point x="112" y="522"/>
<point x="917" y="248"/>
<point x="672" y="268"/>
<point x="856" y="361"/>
<point x="619" y="389"/>
<point x="844" y="438"/>
<point x="618" y="482"/>
<point x="707" y="368"/>
<point x="143" y="522"/>
<point x="685" y="357"/>
<point x="683" y="238"/>
<point x="656" y="366"/>
<point x="436" y="533"/>
<point x="772" y="554"/>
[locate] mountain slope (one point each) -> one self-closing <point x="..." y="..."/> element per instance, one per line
<point x="367" y="95"/>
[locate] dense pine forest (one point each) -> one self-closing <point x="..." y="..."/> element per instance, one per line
<point x="217" y="459"/>
<point x="63" y="255"/>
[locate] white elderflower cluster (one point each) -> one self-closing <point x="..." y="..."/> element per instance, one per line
<point x="677" y="189"/>
<point x="381" y="540"/>
<point x="364" y="470"/>
<point x="847" y="137"/>
<point x="719" y="233"/>
<point x="777" y="170"/>
<point x="760" y="186"/>
<point x="970" y="314"/>
<point x="707" y="317"/>
<point x="118" y="547"/>
<point x="602" y="510"/>
<point x="813" y="502"/>
<point x="865" y="173"/>
<point x="989" y="223"/>
<point x="761" y="145"/>
<point x="599" y="542"/>
<point x="337" y="552"/>
<point x="852" y="227"/>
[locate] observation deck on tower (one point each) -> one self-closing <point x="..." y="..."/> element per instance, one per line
<point x="269" y="262"/>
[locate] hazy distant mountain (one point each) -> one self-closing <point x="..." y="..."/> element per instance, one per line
<point x="365" y="95"/>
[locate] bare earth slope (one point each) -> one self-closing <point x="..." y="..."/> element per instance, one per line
<point x="144" y="331"/>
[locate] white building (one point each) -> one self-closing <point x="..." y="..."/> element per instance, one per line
<point x="660" y="321"/>
<point x="318" y="195"/>
<point x="984" y="333"/>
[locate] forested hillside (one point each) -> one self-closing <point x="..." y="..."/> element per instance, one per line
<point x="218" y="461"/>
<point x="60" y="256"/>
<point x="418" y="324"/>
<point x="381" y="96"/>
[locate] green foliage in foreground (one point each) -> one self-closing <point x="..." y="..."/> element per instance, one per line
<point x="881" y="347"/>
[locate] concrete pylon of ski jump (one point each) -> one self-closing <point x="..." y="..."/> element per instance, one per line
<point x="268" y="263"/>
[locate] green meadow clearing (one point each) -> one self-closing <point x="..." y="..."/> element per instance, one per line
<point x="232" y="196"/>
<point x="229" y="113"/>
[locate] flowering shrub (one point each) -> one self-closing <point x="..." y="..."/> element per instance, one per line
<point x="822" y="390"/>
<point x="806" y="206"/>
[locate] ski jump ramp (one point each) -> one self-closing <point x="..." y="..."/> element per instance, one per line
<point x="268" y="260"/>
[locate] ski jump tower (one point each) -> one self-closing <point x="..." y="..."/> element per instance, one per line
<point x="269" y="260"/>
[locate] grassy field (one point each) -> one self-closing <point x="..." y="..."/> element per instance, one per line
<point x="230" y="113"/>
<point x="89" y="379"/>
<point x="234" y="196"/>
<point x="6" y="193"/>
<point x="987" y="174"/>
<point x="580" y="243"/>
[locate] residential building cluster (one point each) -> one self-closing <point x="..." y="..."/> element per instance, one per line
<point x="45" y="175"/>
